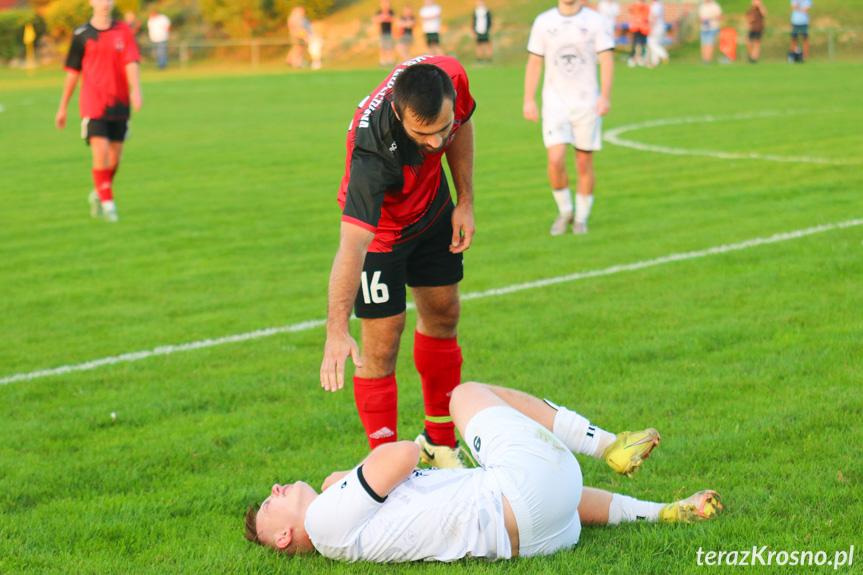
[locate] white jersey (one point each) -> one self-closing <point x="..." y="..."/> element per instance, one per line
<point x="435" y="515"/>
<point x="430" y="14"/>
<point x="569" y="45"/>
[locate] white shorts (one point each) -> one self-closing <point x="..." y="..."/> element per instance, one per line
<point x="538" y="475"/>
<point x="581" y="128"/>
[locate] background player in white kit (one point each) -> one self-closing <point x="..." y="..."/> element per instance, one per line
<point x="526" y="499"/>
<point x="570" y="40"/>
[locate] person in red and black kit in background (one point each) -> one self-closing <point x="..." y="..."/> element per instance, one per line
<point x="399" y="227"/>
<point x="104" y="50"/>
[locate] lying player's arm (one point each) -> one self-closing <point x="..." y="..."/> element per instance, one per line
<point x="344" y="284"/>
<point x="134" y="79"/>
<point x="460" y="157"/>
<point x="68" y="90"/>
<point x="606" y="78"/>
<point x="532" y="74"/>
<point x="389" y="465"/>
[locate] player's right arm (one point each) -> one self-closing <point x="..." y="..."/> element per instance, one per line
<point x="532" y="74"/>
<point x="389" y="465"/>
<point x="68" y="90"/>
<point x="344" y="284"/>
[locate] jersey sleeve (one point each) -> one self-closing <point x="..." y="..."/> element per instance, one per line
<point x="131" y="53"/>
<point x="336" y="517"/>
<point x="602" y="40"/>
<point x="374" y="170"/>
<point x="75" y="57"/>
<point x="536" y="41"/>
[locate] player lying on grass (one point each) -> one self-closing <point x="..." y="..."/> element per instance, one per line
<point x="526" y="498"/>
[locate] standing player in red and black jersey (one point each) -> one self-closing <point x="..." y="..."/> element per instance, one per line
<point x="400" y="227"/>
<point x="104" y="50"/>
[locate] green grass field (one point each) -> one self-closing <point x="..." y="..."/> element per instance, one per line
<point x="748" y="361"/>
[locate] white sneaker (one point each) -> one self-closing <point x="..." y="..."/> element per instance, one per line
<point x="561" y="222"/>
<point x="440" y="456"/>
<point x="111" y="216"/>
<point x="579" y="228"/>
<point x="95" y="204"/>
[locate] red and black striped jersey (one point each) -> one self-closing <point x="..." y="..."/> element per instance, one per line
<point x="391" y="187"/>
<point x="101" y="56"/>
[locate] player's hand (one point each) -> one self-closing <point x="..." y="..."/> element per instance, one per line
<point x="334" y="478"/>
<point x="336" y="353"/>
<point x="462" y="228"/>
<point x="530" y="111"/>
<point x="60" y="119"/>
<point x="603" y="106"/>
<point x="136" y="100"/>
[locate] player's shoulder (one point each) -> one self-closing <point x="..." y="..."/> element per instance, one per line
<point x="81" y="29"/>
<point x="590" y="15"/>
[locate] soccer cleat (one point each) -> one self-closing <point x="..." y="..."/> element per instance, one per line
<point x="631" y="447"/>
<point x="561" y="222"/>
<point x="579" y="228"/>
<point x="111" y="216"/>
<point x="95" y="204"/>
<point x="703" y="505"/>
<point x="440" y="456"/>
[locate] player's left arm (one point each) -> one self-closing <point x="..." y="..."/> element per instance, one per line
<point x="459" y="157"/>
<point x="133" y="76"/>
<point x="606" y="79"/>
<point x="389" y="465"/>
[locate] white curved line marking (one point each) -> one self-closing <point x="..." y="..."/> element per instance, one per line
<point x="613" y="137"/>
<point x="311" y="324"/>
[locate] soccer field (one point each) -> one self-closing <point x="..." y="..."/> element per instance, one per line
<point x="717" y="298"/>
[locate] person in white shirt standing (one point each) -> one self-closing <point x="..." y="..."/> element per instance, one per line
<point x="482" y="27"/>
<point x="430" y="16"/>
<point x="159" y="30"/>
<point x="610" y="10"/>
<point x="656" y="51"/>
<point x="570" y="40"/>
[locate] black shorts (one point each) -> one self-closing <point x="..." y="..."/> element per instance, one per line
<point x="114" y="130"/>
<point x="433" y="39"/>
<point x="639" y="38"/>
<point x="423" y="261"/>
<point x="755" y="35"/>
<point x="482" y="38"/>
<point x="800" y="30"/>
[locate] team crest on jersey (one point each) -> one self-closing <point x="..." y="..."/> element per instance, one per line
<point x="118" y="45"/>
<point x="568" y="60"/>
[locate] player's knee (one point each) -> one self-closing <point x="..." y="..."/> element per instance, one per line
<point x="584" y="165"/>
<point x="461" y="392"/>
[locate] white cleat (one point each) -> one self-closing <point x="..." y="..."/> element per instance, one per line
<point x="95" y="204"/>
<point x="561" y="222"/>
<point x="111" y="216"/>
<point x="579" y="228"/>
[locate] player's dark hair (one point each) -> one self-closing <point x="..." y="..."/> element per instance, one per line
<point x="422" y="88"/>
<point x="252" y="524"/>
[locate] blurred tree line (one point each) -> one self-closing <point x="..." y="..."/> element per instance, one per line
<point x="55" y="20"/>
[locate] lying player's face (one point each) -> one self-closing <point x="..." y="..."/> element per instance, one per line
<point x="102" y="7"/>
<point x="283" y="511"/>
<point x="431" y="137"/>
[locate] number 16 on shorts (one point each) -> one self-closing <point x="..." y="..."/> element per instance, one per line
<point x="376" y="292"/>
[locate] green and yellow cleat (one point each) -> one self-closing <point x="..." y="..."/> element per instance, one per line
<point x="631" y="447"/>
<point x="440" y="456"/>
<point x="703" y="505"/>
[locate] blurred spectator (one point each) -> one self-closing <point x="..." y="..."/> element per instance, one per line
<point x="610" y="10"/>
<point x="430" y="15"/>
<point x="755" y="17"/>
<point x="482" y="26"/>
<point x="656" y="51"/>
<point x="639" y="16"/>
<point x="800" y="27"/>
<point x="385" y="17"/>
<point x="302" y="39"/>
<point x="406" y="23"/>
<point x="132" y="22"/>
<point x="710" y="15"/>
<point x="159" y="30"/>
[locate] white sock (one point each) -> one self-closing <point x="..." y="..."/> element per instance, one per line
<point x="582" y="207"/>
<point x="108" y="206"/>
<point x="625" y="509"/>
<point x="578" y="435"/>
<point x="563" y="197"/>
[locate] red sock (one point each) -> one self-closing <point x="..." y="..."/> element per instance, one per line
<point x="438" y="362"/>
<point x="377" y="404"/>
<point x="102" y="179"/>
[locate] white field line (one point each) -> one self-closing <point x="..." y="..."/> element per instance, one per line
<point x="311" y="324"/>
<point x="613" y="137"/>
